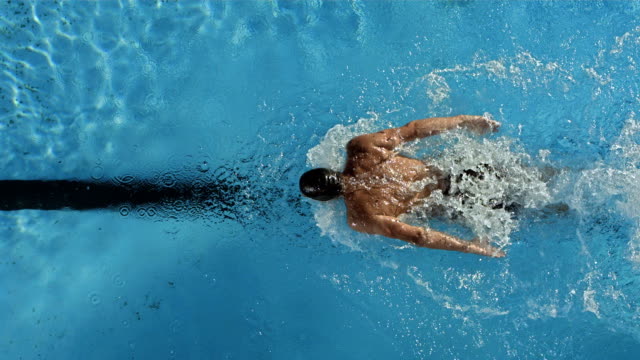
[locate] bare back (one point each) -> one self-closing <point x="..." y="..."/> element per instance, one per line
<point x="379" y="185"/>
<point x="378" y="181"/>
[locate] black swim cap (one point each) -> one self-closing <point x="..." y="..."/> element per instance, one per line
<point x="321" y="184"/>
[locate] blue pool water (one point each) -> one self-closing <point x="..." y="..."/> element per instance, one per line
<point x="242" y="91"/>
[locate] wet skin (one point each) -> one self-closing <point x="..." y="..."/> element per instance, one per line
<point x="379" y="184"/>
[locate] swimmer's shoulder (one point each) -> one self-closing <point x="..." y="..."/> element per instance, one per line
<point x="382" y="140"/>
<point x="360" y="143"/>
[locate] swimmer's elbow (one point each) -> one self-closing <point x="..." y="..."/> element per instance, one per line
<point x="388" y="226"/>
<point x="392" y="227"/>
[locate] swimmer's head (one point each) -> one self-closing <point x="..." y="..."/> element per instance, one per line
<point x="321" y="184"/>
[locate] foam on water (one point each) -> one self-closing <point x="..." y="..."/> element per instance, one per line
<point x="613" y="184"/>
<point x="513" y="182"/>
<point x="331" y="152"/>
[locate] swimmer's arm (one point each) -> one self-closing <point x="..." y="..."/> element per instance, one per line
<point x="418" y="129"/>
<point x="392" y="227"/>
<point x="428" y="127"/>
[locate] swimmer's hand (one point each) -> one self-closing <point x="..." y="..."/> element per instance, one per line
<point x="481" y="246"/>
<point x="479" y="124"/>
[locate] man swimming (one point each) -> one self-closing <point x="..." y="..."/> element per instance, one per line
<point x="378" y="184"/>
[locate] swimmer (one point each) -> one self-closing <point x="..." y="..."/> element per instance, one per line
<point x="378" y="184"/>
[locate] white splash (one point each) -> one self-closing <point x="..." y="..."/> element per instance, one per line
<point x="508" y="178"/>
<point x="437" y="88"/>
<point x="618" y="177"/>
<point x="486" y="307"/>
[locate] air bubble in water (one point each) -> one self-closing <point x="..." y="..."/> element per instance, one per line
<point x="125" y="179"/>
<point x="168" y="180"/>
<point x="124" y="210"/>
<point x="197" y="186"/>
<point x="97" y="173"/>
<point x="210" y="279"/>
<point x="94" y="299"/>
<point x="179" y="205"/>
<point x="193" y="211"/>
<point x="117" y="280"/>
<point x="203" y="167"/>
<point x="152" y="101"/>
